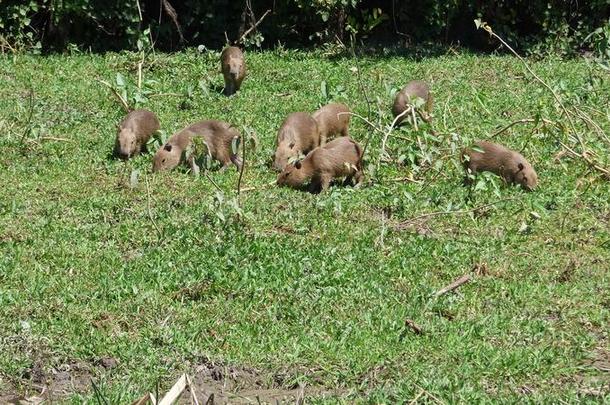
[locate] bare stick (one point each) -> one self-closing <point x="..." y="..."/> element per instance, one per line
<point x="205" y="172"/>
<point x="512" y="124"/>
<point x="462" y="280"/>
<point x="409" y="221"/>
<point x="148" y="209"/>
<point x="249" y="30"/>
<point x="140" y="73"/>
<point x="52" y="138"/>
<point x="117" y="95"/>
<point x="387" y="134"/>
<point x="243" y="165"/>
<point x="28" y="127"/>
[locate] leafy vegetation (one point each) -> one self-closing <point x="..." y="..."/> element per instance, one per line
<point x="165" y="273"/>
<point x="551" y="26"/>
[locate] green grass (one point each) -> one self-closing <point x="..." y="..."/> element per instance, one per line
<point x="312" y="287"/>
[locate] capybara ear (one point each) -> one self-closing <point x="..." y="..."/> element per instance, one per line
<point x="298" y="165"/>
<point x="291" y="145"/>
<point x="168" y="147"/>
<point x="520" y="166"/>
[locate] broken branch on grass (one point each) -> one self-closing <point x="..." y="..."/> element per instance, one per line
<point x="117" y="95"/>
<point x="148" y="209"/>
<point x="462" y="280"/>
<point x="249" y="30"/>
<point x="406" y="223"/>
<point x="28" y="127"/>
<point x="243" y="165"/>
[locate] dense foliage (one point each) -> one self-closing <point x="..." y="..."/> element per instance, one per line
<point x="556" y="25"/>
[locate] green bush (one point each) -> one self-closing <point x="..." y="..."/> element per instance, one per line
<point x="556" y="26"/>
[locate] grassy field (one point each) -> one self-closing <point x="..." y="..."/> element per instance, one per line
<point x="289" y="289"/>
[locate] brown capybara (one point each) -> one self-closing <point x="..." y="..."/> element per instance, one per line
<point x="405" y="97"/>
<point x="298" y="135"/>
<point x="341" y="157"/>
<point x="506" y="163"/>
<point x="133" y="133"/>
<point x="218" y="136"/>
<point x="332" y="119"/>
<point x="233" y="66"/>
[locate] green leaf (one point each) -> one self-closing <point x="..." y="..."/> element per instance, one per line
<point x="120" y="80"/>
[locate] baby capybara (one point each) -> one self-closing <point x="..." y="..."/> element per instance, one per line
<point x="332" y="119"/>
<point x="298" y="135"/>
<point x="506" y="163"/>
<point x="133" y="133"/>
<point x="405" y="97"/>
<point x="233" y="66"/>
<point x="218" y="136"/>
<point x="341" y="157"/>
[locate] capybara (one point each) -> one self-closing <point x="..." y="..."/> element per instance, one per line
<point x="405" y="97"/>
<point x="332" y="119"/>
<point x="233" y="66"/>
<point x="133" y="133"/>
<point x="506" y="163"/>
<point x="341" y="157"/>
<point x="298" y="135"/>
<point x="218" y="136"/>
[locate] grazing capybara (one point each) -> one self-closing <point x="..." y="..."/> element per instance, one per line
<point x="298" y="135"/>
<point x="332" y="119"/>
<point x="341" y="157"/>
<point x="405" y="97"/>
<point x="133" y="133"/>
<point x="218" y="136"/>
<point x="233" y="66"/>
<point x="506" y="163"/>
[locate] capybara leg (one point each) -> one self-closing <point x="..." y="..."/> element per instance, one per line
<point x="229" y="88"/>
<point x="345" y="132"/>
<point x="358" y="177"/>
<point x="325" y="182"/>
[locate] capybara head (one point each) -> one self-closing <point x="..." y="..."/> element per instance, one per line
<point x="236" y="66"/>
<point x="166" y="158"/>
<point x="126" y="144"/>
<point x="293" y="175"/>
<point x="284" y="151"/>
<point x="526" y="176"/>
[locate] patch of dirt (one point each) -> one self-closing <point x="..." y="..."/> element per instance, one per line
<point x="39" y="384"/>
<point x="213" y="383"/>
<point x="221" y="384"/>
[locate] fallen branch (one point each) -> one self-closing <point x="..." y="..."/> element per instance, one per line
<point x="52" y="138"/>
<point x="249" y="30"/>
<point x="149" y="211"/>
<point x="404" y="224"/>
<point x="462" y="280"/>
<point x="117" y="95"/>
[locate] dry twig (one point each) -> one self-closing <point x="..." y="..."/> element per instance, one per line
<point x="462" y="280"/>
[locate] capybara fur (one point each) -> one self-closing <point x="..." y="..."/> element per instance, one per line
<point x="341" y="157"/>
<point x="407" y="96"/>
<point x="506" y="163"/>
<point x="233" y="66"/>
<point x="332" y="119"/>
<point x="298" y="135"/>
<point x="133" y="133"/>
<point x="218" y="136"/>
